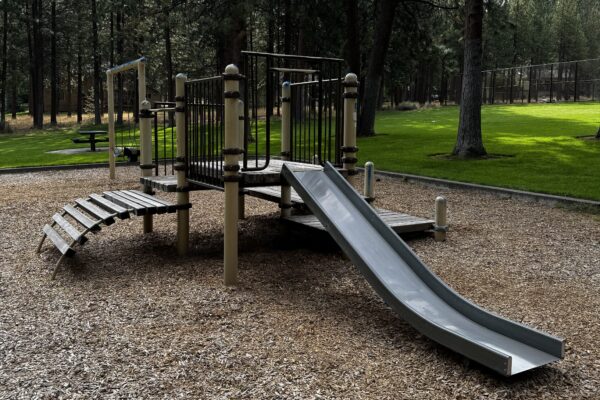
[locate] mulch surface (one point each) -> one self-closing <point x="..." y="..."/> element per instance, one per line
<point x="127" y="318"/>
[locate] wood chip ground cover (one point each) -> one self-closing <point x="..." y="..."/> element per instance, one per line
<point x="127" y="318"/>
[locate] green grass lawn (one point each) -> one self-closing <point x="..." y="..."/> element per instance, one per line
<point x="540" y="141"/>
<point x="32" y="148"/>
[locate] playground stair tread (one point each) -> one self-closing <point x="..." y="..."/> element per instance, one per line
<point x="399" y="222"/>
<point x="70" y="227"/>
<point x="167" y="183"/>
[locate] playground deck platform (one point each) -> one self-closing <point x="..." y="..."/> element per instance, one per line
<point x="399" y="222"/>
<point x="269" y="176"/>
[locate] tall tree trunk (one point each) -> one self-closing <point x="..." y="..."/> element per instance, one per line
<point x="352" y="45"/>
<point x="4" y="65"/>
<point x="13" y="101"/>
<point x="233" y="40"/>
<point x="168" y="56"/>
<point x="54" y="69"/>
<point x="69" y="78"/>
<point x="37" y="64"/>
<point x="469" y="142"/>
<point x="79" y="84"/>
<point x="97" y="79"/>
<point x="120" y="61"/>
<point x="385" y="21"/>
<point x="287" y="26"/>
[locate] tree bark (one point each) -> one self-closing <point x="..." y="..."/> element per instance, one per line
<point x="352" y="45"/>
<point x="97" y="78"/>
<point x="168" y="56"/>
<point x="13" y="101"/>
<point x="120" y="16"/>
<point x="54" y="68"/>
<point x="368" y="107"/>
<point x="69" y="78"/>
<point x="79" y="85"/>
<point x="469" y="142"/>
<point x="233" y="40"/>
<point x="37" y="65"/>
<point x="4" y="65"/>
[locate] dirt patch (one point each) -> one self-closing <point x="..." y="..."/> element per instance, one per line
<point x="127" y="318"/>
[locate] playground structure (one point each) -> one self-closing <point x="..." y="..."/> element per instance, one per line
<point x="226" y="146"/>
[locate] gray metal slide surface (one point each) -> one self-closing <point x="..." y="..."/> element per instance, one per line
<point x="411" y="289"/>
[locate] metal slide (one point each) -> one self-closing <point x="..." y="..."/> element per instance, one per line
<point x="411" y="289"/>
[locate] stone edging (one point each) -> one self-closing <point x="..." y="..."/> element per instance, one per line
<point x="549" y="199"/>
<point x="24" y="170"/>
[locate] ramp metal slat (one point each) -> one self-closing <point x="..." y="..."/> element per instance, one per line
<point x="69" y="229"/>
<point x="121" y="212"/>
<point x="58" y="241"/>
<point x="82" y="218"/>
<point x="152" y="209"/>
<point x="137" y="208"/>
<point x="96" y="211"/>
<point x="161" y="208"/>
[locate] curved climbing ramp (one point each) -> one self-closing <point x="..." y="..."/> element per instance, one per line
<point x="71" y="225"/>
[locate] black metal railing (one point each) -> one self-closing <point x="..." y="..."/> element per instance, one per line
<point x="164" y="139"/>
<point x="544" y="83"/>
<point x="316" y="121"/>
<point x="204" y="124"/>
<point x="316" y="105"/>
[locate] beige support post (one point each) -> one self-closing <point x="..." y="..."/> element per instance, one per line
<point x="441" y="224"/>
<point x="183" y="196"/>
<point x="241" y="127"/>
<point x="231" y="176"/>
<point x="146" y="153"/>
<point x="349" y="148"/>
<point x="110" y="88"/>
<point x="286" y="127"/>
<point x="110" y="74"/>
<point x="286" y="191"/>
<point x="141" y="80"/>
<point x="369" y="183"/>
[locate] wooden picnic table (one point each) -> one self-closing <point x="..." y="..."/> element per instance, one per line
<point x="92" y="140"/>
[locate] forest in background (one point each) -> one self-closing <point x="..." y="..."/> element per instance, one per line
<point x="408" y="47"/>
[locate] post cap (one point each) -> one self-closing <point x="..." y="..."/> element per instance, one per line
<point x="232" y="69"/>
<point x="350" y="78"/>
<point x="145" y="104"/>
<point x="181" y="75"/>
<point x="369" y="164"/>
<point x="440" y="199"/>
<point x="285" y="84"/>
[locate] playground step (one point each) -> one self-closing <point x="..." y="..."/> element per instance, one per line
<point x="133" y="206"/>
<point x="60" y="243"/>
<point x="108" y="205"/>
<point x="66" y="226"/>
<point x="167" y="183"/>
<point x="100" y="209"/>
<point x="96" y="211"/>
<point x="87" y="222"/>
